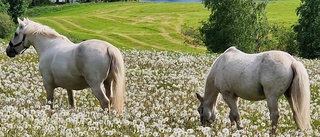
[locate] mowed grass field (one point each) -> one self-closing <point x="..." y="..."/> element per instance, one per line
<point x="144" y="25"/>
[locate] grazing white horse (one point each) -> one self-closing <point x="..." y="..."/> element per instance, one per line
<point x="254" y="77"/>
<point x="91" y="63"/>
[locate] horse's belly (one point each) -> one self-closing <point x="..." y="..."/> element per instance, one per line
<point x="71" y="83"/>
<point x="251" y="94"/>
<point x="252" y="97"/>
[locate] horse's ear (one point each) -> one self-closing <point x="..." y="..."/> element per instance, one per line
<point x="199" y="97"/>
<point x="19" y="20"/>
<point x="21" y="23"/>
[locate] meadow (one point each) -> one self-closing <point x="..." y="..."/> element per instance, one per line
<point x="162" y="77"/>
<point x="160" y="101"/>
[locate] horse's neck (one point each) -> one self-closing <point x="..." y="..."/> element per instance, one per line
<point x="42" y="43"/>
<point x="210" y="100"/>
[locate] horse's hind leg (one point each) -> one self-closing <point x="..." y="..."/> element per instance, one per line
<point x="99" y="94"/>
<point x="107" y="85"/>
<point x="232" y="102"/>
<point x="71" y="98"/>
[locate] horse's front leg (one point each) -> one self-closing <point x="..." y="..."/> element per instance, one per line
<point x="274" y="113"/>
<point x="72" y="102"/>
<point x="234" y="115"/>
<point x="50" y="90"/>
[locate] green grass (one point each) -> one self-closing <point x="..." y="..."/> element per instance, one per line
<point x="128" y="25"/>
<point x="283" y="12"/>
<point x="143" y="25"/>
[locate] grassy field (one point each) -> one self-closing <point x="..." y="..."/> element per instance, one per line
<point x="283" y="12"/>
<point x="129" y="25"/>
<point x="144" y="25"/>
<point x="160" y="85"/>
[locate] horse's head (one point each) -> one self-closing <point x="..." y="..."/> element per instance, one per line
<point x="206" y="114"/>
<point x="19" y="43"/>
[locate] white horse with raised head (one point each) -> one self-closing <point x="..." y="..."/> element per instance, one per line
<point x="91" y="63"/>
<point x="254" y="77"/>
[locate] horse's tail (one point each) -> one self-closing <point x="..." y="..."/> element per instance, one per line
<point x="117" y="70"/>
<point x="300" y="96"/>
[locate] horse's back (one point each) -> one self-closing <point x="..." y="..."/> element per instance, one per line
<point x="249" y="75"/>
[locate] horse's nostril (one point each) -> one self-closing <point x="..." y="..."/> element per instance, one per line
<point x="11" y="55"/>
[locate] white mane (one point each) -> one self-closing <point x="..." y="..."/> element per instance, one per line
<point x="39" y="29"/>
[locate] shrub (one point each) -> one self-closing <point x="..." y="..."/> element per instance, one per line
<point x="40" y="3"/>
<point x="6" y="26"/>
<point x="192" y="36"/>
<point x="286" y="39"/>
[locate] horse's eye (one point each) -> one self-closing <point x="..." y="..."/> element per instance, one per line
<point x="15" y="34"/>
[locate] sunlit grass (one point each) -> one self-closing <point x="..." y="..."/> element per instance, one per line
<point x="136" y="25"/>
<point x="283" y="12"/>
<point x="144" y="25"/>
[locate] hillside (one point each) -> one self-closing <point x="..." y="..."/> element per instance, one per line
<point x="144" y="25"/>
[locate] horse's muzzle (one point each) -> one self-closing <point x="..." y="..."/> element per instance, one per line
<point x="11" y="52"/>
<point x="205" y="123"/>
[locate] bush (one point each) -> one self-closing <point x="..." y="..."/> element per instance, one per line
<point x="6" y="26"/>
<point x="40" y="3"/>
<point x="285" y="39"/>
<point x="192" y="36"/>
<point x="39" y="10"/>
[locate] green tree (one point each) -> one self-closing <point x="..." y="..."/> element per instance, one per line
<point x="235" y="22"/>
<point x="308" y="28"/>
<point x="3" y="7"/>
<point x="17" y="8"/>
